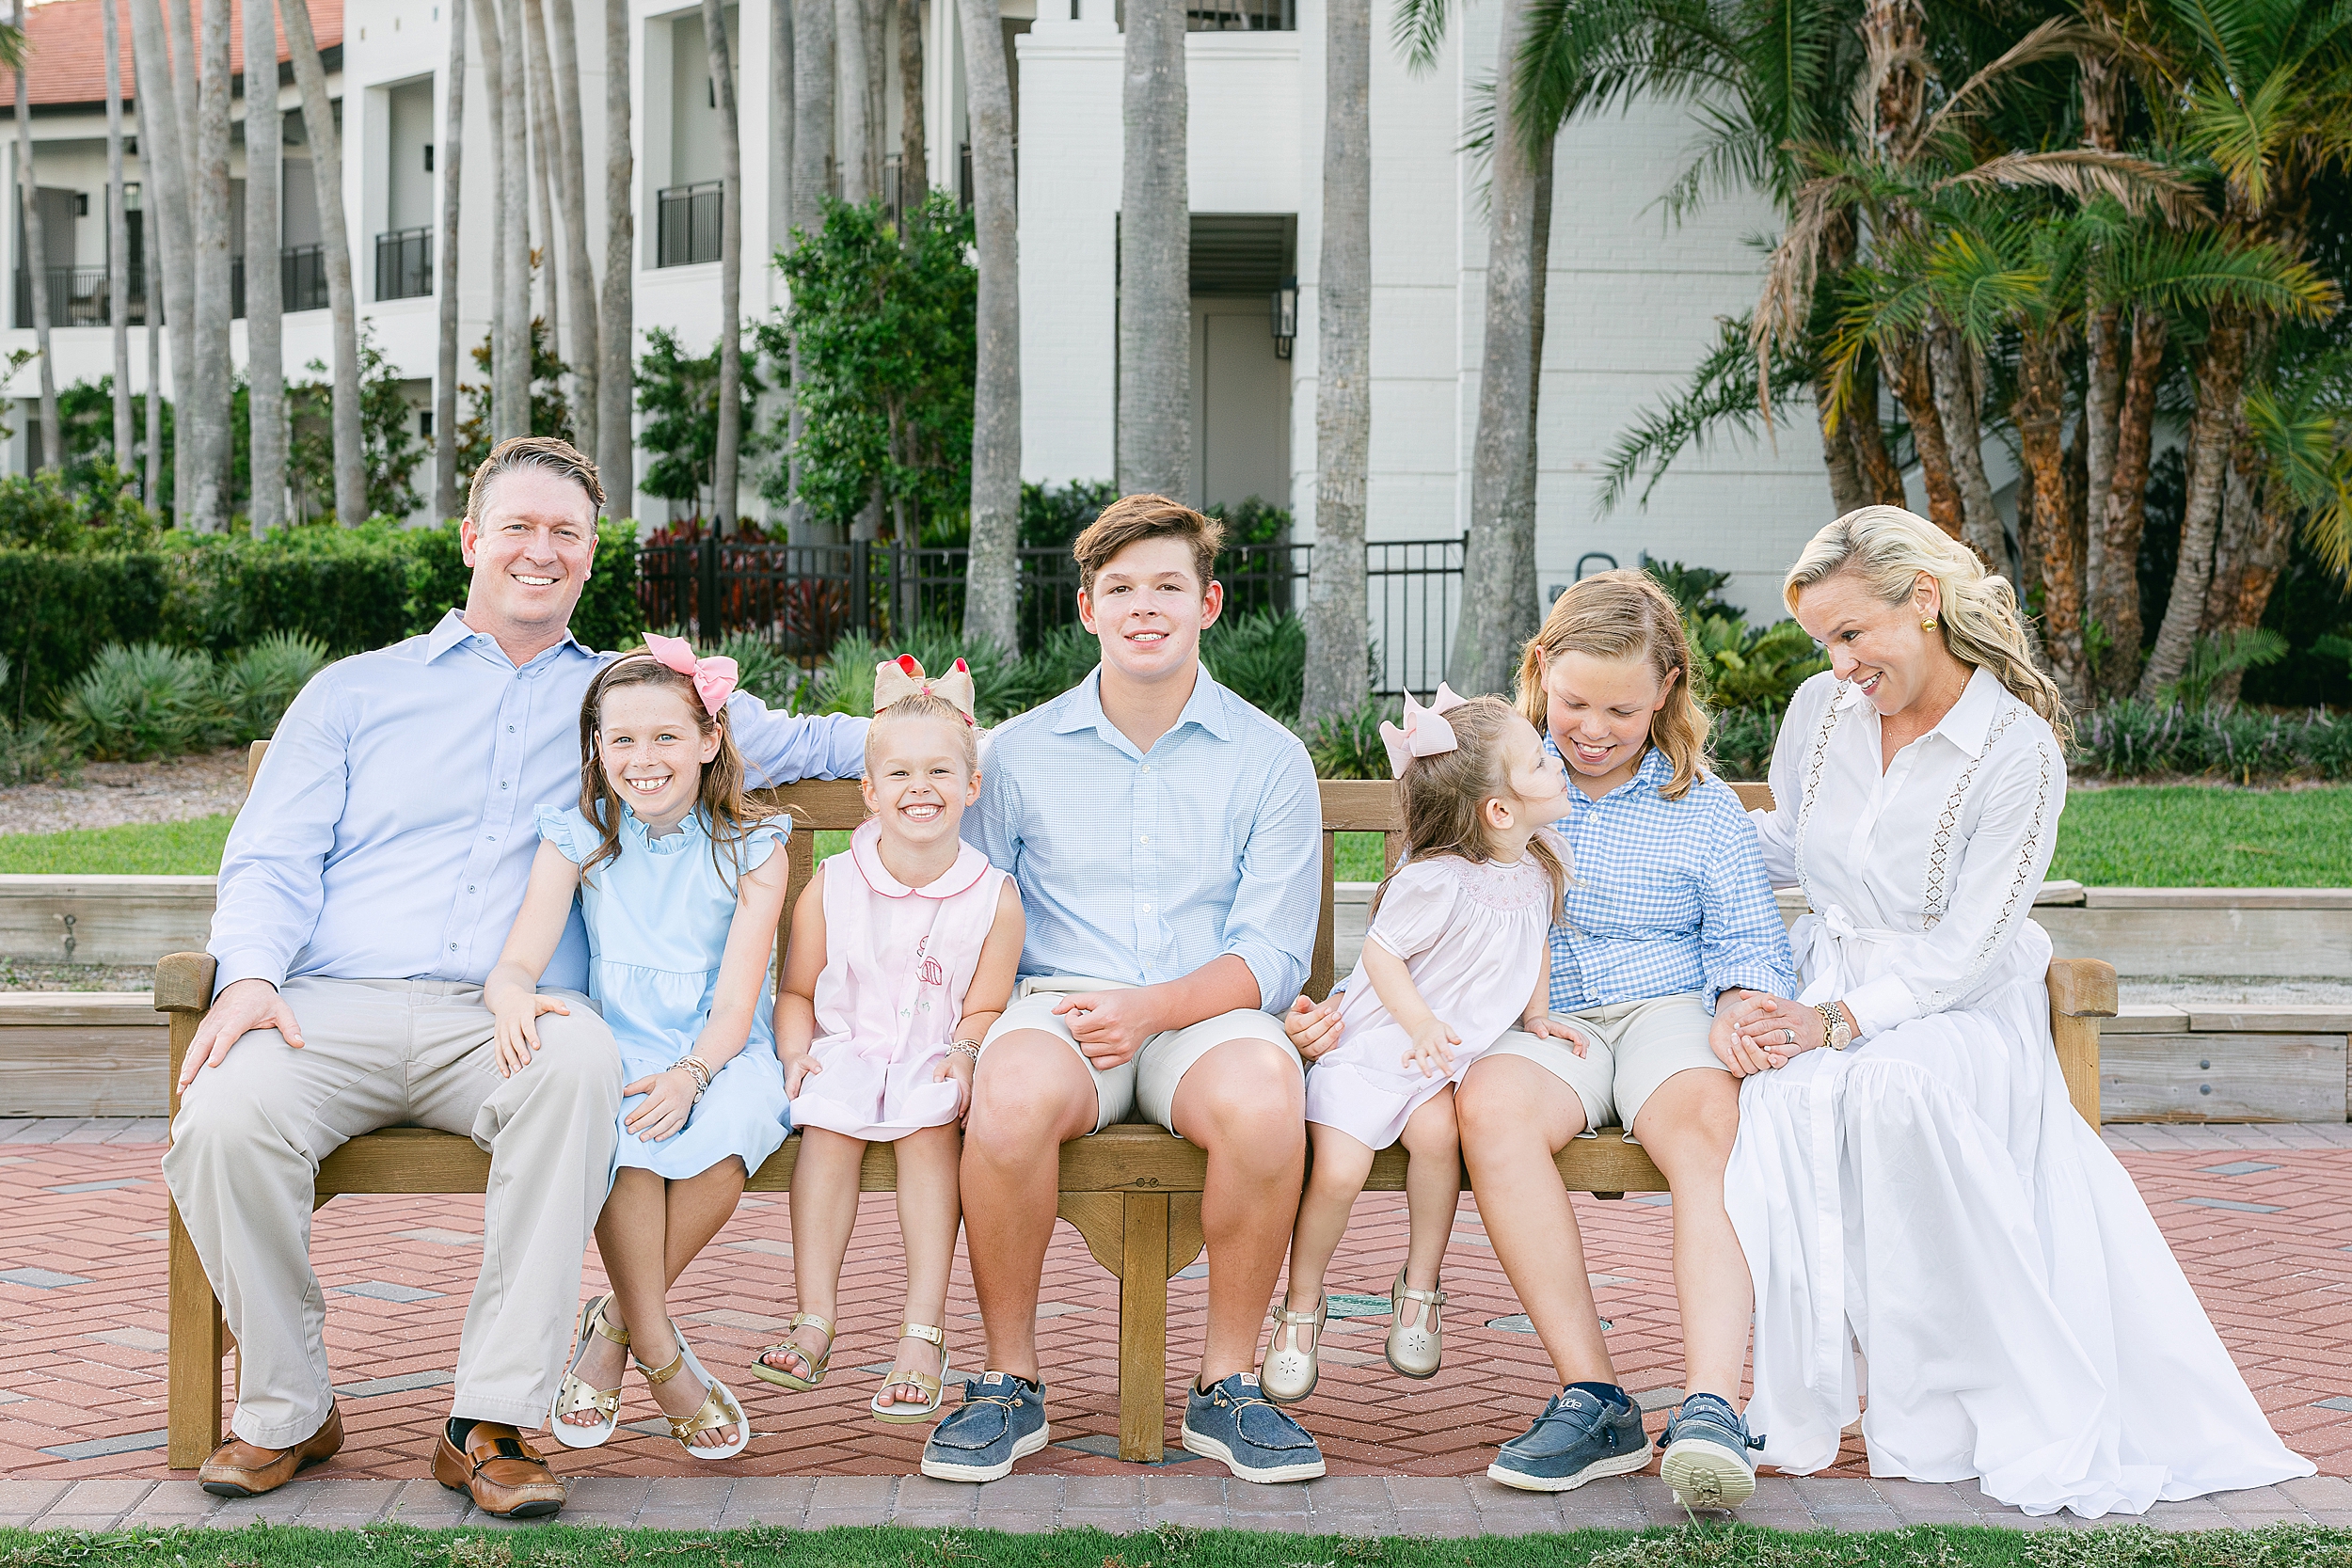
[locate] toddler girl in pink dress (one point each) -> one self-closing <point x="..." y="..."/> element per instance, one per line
<point x="903" y="953"/>
<point x="1455" y="958"/>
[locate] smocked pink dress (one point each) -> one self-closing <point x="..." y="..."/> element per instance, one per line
<point x="897" y="962"/>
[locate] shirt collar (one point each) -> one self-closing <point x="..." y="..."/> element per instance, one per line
<point x="1969" y="721"/>
<point x="1654" y="771"/>
<point x="453" y="632"/>
<point x="1205" y="707"/>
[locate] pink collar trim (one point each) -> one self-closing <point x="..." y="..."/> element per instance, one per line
<point x="866" y="852"/>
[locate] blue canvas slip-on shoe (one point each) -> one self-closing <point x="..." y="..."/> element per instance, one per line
<point x="1706" y="1459"/>
<point x="1002" y="1419"/>
<point x="1235" y="1422"/>
<point x="1578" y="1437"/>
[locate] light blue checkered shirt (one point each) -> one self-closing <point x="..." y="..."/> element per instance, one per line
<point x="1669" y="895"/>
<point x="1141" y="866"/>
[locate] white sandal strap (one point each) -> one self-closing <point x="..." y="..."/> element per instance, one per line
<point x="924" y="1331"/>
<point x="1433" y="1298"/>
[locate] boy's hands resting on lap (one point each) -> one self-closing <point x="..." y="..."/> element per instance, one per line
<point x="1313" y="1027"/>
<point x="1111" y="1026"/>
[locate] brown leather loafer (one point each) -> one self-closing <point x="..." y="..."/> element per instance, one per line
<point x="243" y="1469"/>
<point x="503" y="1474"/>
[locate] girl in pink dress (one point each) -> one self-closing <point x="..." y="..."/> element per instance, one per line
<point x="903" y="953"/>
<point x="1455" y="957"/>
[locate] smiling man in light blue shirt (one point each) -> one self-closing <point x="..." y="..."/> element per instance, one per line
<point x="365" y="893"/>
<point x="1167" y="840"/>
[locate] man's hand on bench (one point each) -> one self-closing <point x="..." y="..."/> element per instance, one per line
<point x="241" y="1007"/>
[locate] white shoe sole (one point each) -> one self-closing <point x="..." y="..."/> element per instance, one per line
<point x="1704" y="1475"/>
<point x="1624" y="1465"/>
<point x="941" y="1470"/>
<point x="1209" y="1448"/>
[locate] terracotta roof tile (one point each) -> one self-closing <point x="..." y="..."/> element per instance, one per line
<point x="66" y="62"/>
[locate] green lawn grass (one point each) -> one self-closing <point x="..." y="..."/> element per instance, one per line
<point x="557" y="1546"/>
<point x="2137" y="835"/>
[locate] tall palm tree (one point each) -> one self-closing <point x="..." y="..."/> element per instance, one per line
<point x="1335" y="586"/>
<point x="1154" y="256"/>
<point x="539" y="97"/>
<point x="853" y="46"/>
<point x="185" y="448"/>
<point x="204" y="412"/>
<point x="326" y="178"/>
<point x="587" y="356"/>
<point x="876" y="19"/>
<point x="813" y="131"/>
<point x="726" y="475"/>
<point x="913" y="157"/>
<point x="36" y="258"/>
<point x="157" y="154"/>
<point x="264" y="299"/>
<point x="510" y="108"/>
<point x="118" y="239"/>
<point x="991" y="592"/>
<point x="451" y="163"/>
<point x="616" y="335"/>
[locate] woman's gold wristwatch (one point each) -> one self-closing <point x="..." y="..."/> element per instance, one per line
<point x="1836" y="1033"/>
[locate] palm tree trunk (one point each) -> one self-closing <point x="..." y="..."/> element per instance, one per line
<point x="991" y="591"/>
<point x="1336" y="607"/>
<point x="2121" y="511"/>
<point x="812" y="181"/>
<point x="913" y="155"/>
<point x="2265" y="536"/>
<point x="510" y="357"/>
<point x="185" y="379"/>
<point x="326" y="159"/>
<point x="780" y="129"/>
<point x="1498" y="604"/>
<point x="616" y="447"/>
<point x="2220" y="377"/>
<point x="1838" y="456"/>
<point x="2040" y="414"/>
<point x="571" y="184"/>
<point x="1155" y="258"/>
<point x="539" y="95"/>
<point x="1874" y="465"/>
<point x="118" y="240"/>
<point x="2105" y="346"/>
<point x="204" y="413"/>
<point x="504" y="177"/>
<point x="726" y="463"/>
<point x="877" y="87"/>
<point x="37" y="263"/>
<point x="1914" y="385"/>
<point x="151" y="304"/>
<point x="170" y="278"/>
<point x="446" y="501"/>
<point x="857" y="123"/>
<point x="264" y="300"/>
<point x="1954" y="383"/>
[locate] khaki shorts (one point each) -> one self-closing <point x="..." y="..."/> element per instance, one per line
<point x="1143" y="1088"/>
<point x="1636" y="1046"/>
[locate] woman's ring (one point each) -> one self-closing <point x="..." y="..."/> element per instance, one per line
<point x="1790" y="1034"/>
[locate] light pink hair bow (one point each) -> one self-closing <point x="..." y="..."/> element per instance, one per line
<point x="901" y="677"/>
<point x="1425" y="734"/>
<point x="713" y="678"/>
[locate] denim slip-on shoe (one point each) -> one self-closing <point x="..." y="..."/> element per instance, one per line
<point x="1578" y="1437"/>
<point x="1706" y="1459"/>
<point x="1002" y="1419"/>
<point x="1234" y="1422"/>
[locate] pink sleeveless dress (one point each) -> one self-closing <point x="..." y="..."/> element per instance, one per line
<point x="897" y="962"/>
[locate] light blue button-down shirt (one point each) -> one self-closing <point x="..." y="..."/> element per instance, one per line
<point x="1142" y="867"/>
<point x="1669" y="895"/>
<point x="388" y="835"/>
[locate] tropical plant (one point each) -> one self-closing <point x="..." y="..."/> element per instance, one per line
<point x="550" y="414"/>
<point x="34" y="751"/>
<point x="142" y="701"/>
<point x="1053" y="515"/>
<point x="845" y="684"/>
<point x="256" y="685"/>
<point x="45" y="512"/>
<point x="1692" y="588"/>
<point x="1743" y="665"/>
<point x="678" y="392"/>
<point x="1349" y="745"/>
<point x="389" y="441"/>
<point x="2215" y="658"/>
<point x="1261" y="657"/>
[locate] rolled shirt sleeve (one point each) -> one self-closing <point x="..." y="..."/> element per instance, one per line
<point x="271" y="885"/>
<point x="1743" y="944"/>
<point x="1271" y="926"/>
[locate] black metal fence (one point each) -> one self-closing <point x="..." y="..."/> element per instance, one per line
<point x="802" y="598"/>
<point x="403" y="264"/>
<point x="301" y="280"/>
<point x="687" y="219"/>
<point x="78" y="296"/>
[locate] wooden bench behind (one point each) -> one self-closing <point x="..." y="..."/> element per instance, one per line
<point x="1132" y="1191"/>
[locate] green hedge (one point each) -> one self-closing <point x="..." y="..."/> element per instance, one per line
<point x="57" y="610"/>
<point x="348" y="588"/>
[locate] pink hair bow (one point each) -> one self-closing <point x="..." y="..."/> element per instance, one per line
<point x="1425" y="734"/>
<point x="713" y="678"/>
<point x="903" y="677"/>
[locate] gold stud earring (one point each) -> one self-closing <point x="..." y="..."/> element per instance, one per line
<point x="1928" y="625"/>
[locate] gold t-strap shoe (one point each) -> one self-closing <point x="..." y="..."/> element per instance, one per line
<point x="908" y="1415"/>
<point x="818" y="1364"/>
<point x="1415" y="1351"/>
<point x="572" y="1396"/>
<point x="719" y="1407"/>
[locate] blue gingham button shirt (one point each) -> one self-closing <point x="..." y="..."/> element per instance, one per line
<point x="1669" y="895"/>
<point x="1142" y="867"/>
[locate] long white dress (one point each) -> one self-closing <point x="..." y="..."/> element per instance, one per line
<point x="1926" y="1208"/>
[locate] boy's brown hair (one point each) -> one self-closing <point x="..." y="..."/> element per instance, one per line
<point x="1147" y="516"/>
<point x="1624" y="615"/>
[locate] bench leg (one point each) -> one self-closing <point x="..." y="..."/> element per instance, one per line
<point x="194" y="1365"/>
<point x="1143" y="1325"/>
<point x="2077" y="1042"/>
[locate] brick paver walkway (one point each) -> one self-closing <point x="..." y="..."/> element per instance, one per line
<point x="2260" y="1216"/>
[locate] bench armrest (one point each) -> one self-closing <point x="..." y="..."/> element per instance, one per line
<point x="183" y="982"/>
<point x="2079" y="987"/>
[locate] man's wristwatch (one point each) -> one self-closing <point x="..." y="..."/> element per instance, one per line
<point x="1836" y="1033"/>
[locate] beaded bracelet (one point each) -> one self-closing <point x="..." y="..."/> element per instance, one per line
<point x="699" y="1071"/>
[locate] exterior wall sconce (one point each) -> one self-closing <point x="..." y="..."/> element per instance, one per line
<point x="1284" y="312"/>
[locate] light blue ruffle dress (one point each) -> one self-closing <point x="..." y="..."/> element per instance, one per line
<point x="658" y="919"/>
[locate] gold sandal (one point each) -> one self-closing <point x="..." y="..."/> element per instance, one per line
<point x="719" y="1407"/>
<point x="817" y="1364"/>
<point x="572" y="1396"/>
<point x="908" y="1415"/>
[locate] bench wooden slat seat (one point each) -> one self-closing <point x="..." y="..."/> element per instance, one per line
<point x="1132" y="1191"/>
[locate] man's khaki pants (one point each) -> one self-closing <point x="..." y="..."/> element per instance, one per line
<point x="245" y="1150"/>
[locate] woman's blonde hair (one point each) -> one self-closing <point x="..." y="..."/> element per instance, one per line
<point x="1888" y="548"/>
<point x="1445" y="796"/>
<point x="719" y="797"/>
<point x="1623" y="615"/>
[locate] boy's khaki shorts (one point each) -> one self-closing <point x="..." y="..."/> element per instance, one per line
<point x="1636" y="1046"/>
<point x="1143" y="1088"/>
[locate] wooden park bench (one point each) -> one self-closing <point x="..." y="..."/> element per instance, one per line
<point x="1132" y="1191"/>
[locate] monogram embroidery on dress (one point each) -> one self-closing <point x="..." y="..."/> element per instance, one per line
<point x="929" y="972"/>
<point x="1937" y="896"/>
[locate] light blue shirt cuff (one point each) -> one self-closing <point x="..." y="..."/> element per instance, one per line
<point x="1746" y="978"/>
<point x="246" y="964"/>
<point x="1280" y="977"/>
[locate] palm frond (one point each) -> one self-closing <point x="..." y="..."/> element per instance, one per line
<point x="2177" y="272"/>
<point x="2302" y="427"/>
<point x="1418" y="31"/>
<point x="2056" y="37"/>
<point x="2087" y="174"/>
<point x="1718" y="398"/>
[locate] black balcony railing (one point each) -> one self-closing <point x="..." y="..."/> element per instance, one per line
<point x="687" y="225"/>
<point x="78" y="296"/>
<point x="301" y="280"/>
<point x="403" y="264"/>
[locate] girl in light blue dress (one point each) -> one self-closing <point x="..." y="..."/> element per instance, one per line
<point x="681" y="886"/>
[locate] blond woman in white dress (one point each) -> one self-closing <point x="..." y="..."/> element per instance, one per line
<point x="1926" y="1217"/>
